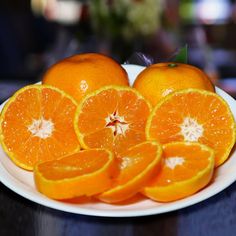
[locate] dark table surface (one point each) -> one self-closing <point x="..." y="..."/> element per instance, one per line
<point x="18" y="216"/>
<point x="215" y="216"/>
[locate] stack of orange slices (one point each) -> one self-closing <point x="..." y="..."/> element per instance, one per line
<point x="110" y="143"/>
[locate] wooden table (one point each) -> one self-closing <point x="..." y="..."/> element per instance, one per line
<point x="215" y="216"/>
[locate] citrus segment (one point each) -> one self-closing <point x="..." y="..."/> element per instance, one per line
<point x="187" y="168"/>
<point x="83" y="73"/>
<point x="161" y="79"/>
<point x="36" y="124"/>
<point x="112" y="117"/>
<point x="137" y="166"/>
<point x="196" y="116"/>
<point x="87" y="172"/>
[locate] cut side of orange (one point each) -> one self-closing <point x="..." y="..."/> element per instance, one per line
<point x="195" y="116"/>
<point x="112" y="117"/>
<point x="85" y="173"/>
<point x="137" y="166"/>
<point x="36" y="125"/>
<point x="187" y="168"/>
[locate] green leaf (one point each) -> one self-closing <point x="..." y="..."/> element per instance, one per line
<point x="181" y="55"/>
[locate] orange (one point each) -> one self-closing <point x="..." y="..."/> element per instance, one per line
<point x="137" y="166"/>
<point x="36" y="124"/>
<point x="187" y="168"/>
<point x="197" y="116"/>
<point x="112" y="117"/>
<point x="161" y="79"/>
<point x="83" y="73"/>
<point x="87" y="172"/>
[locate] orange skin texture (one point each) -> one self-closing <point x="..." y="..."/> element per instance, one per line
<point x="161" y="79"/>
<point x="80" y="74"/>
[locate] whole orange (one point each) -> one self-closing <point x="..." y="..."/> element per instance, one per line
<point x="83" y="73"/>
<point x="159" y="80"/>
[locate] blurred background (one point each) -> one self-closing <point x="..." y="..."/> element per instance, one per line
<point x="34" y="34"/>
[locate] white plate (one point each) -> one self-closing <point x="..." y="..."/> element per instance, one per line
<point x="21" y="182"/>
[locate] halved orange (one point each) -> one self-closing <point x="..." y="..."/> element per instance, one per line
<point x="112" y="117"/>
<point x="36" y="125"/>
<point x="137" y="166"/>
<point x="187" y="168"/>
<point x="85" y="173"/>
<point x="196" y="116"/>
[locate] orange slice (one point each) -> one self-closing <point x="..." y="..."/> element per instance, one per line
<point x="137" y="166"/>
<point x="112" y="117"/>
<point x="196" y="116"/>
<point x="187" y="168"/>
<point x="36" y="124"/>
<point x="87" y="172"/>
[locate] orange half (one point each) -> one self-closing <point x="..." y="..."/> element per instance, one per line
<point x="187" y="168"/>
<point x="137" y="166"/>
<point x="194" y="115"/>
<point x="87" y="172"/>
<point x="112" y="117"/>
<point x="36" y="125"/>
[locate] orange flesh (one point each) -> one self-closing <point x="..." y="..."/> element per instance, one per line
<point x="195" y="160"/>
<point x="84" y="173"/>
<point x="101" y="114"/>
<point x="208" y="110"/>
<point x="34" y="104"/>
<point x="134" y="161"/>
<point x="137" y="166"/>
<point x="74" y="165"/>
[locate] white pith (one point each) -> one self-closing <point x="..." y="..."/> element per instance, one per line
<point x="127" y="161"/>
<point x="41" y="128"/>
<point x="83" y="85"/>
<point x="191" y="129"/>
<point x="166" y="92"/>
<point x="120" y="127"/>
<point x="172" y="162"/>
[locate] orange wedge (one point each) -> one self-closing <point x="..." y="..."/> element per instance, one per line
<point x="137" y="166"/>
<point x="194" y="115"/>
<point x="87" y="172"/>
<point x="187" y="168"/>
<point x="36" y="125"/>
<point x="112" y="117"/>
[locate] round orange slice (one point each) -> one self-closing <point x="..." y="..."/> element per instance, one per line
<point x="137" y="166"/>
<point x="112" y="117"/>
<point x="87" y="172"/>
<point x="36" y="125"/>
<point x="195" y="116"/>
<point x="187" y="168"/>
